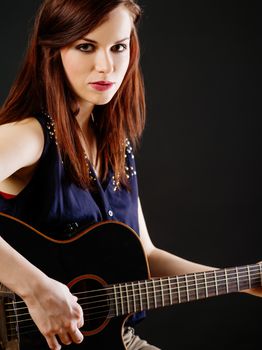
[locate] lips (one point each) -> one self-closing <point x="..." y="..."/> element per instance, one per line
<point x="102" y="85"/>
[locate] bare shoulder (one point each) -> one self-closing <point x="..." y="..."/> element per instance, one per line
<point x="22" y="132"/>
<point x="29" y="124"/>
<point x="21" y="145"/>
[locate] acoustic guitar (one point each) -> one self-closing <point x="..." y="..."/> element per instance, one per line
<point x="106" y="268"/>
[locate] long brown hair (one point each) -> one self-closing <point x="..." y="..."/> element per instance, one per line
<point x="42" y="83"/>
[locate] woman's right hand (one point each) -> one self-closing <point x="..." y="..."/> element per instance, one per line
<point x="52" y="307"/>
<point x="56" y="313"/>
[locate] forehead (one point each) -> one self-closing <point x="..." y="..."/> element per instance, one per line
<point x="117" y="25"/>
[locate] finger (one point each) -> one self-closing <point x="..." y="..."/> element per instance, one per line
<point x="76" y="336"/>
<point x="65" y="338"/>
<point x="81" y="321"/>
<point x="53" y="343"/>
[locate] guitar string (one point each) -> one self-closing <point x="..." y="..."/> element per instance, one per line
<point x="104" y="314"/>
<point x="167" y="282"/>
<point x="124" y="305"/>
<point x="36" y="330"/>
<point x="121" y="304"/>
<point x="214" y="276"/>
<point x="182" y="277"/>
<point x="144" y="291"/>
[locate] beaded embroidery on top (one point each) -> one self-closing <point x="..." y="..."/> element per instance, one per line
<point x="130" y="171"/>
<point x="50" y="124"/>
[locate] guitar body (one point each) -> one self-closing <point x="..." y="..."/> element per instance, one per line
<point x="106" y="253"/>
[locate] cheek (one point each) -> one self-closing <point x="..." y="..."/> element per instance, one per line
<point x="73" y="66"/>
<point x="123" y="65"/>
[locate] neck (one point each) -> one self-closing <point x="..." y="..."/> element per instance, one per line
<point x="88" y="137"/>
<point x="159" y="292"/>
<point x="84" y="115"/>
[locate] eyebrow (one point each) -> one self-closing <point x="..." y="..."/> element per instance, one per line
<point x="95" y="42"/>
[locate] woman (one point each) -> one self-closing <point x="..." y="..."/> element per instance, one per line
<point x="66" y="132"/>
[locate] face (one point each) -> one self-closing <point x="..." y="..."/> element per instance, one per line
<point x="96" y="64"/>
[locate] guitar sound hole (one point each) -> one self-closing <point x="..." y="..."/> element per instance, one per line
<point x="94" y="300"/>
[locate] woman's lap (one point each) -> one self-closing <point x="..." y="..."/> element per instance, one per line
<point x="133" y="342"/>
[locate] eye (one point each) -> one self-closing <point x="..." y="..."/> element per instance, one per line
<point x="85" y="47"/>
<point x="119" y="48"/>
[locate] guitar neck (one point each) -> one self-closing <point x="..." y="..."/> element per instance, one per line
<point x="166" y="291"/>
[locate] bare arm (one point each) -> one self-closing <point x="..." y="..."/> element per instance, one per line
<point x="50" y="303"/>
<point x="53" y="308"/>
<point x="162" y="263"/>
<point x="21" y="145"/>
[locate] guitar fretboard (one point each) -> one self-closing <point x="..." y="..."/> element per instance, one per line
<point x="154" y="293"/>
<point x="126" y="298"/>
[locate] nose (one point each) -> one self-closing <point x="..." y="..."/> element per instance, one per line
<point x="104" y="62"/>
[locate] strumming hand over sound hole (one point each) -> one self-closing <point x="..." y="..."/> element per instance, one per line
<point x="94" y="298"/>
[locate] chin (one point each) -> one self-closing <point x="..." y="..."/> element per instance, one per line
<point x="103" y="100"/>
<point x="98" y="99"/>
<point x="101" y="103"/>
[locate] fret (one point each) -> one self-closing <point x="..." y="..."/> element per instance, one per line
<point x="205" y="281"/>
<point x="249" y="278"/>
<point x="195" y="277"/>
<point x="154" y="292"/>
<point x="207" y="286"/>
<point x="134" y="296"/>
<point x="231" y="280"/>
<point x="144" y="294"/>
<point x="147" y="296"/>
<point x="162" y="292"/>
<point x="233" y="283"/>
<point x="127" y="299"/>
<point x="121" y="299"/>
<point x="170" y="291"/>
<point x="191" y="286"/>
<point x="116" y="302"/>
<point x="226" y="278"/>
<point x="221" y="282"/>
<point x="243" y="277"/>
<point x="215" y="276"/>
<point x="187" y="291"/>
<point x="183" y="288"/>
<point x="212" y="284"/>
<point x="178" y="290"/>
<point x="201" y="285"/>
<point x="140" y="296"/>
<point x="237" y="275"/>
<point x="255" y="275"/>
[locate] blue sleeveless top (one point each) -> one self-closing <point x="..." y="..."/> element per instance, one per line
<point x="57" y="207"/>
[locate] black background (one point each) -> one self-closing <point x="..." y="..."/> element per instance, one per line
<point x="199" y="164"/>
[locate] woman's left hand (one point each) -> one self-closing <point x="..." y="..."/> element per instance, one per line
<point x="255" y="291"/>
